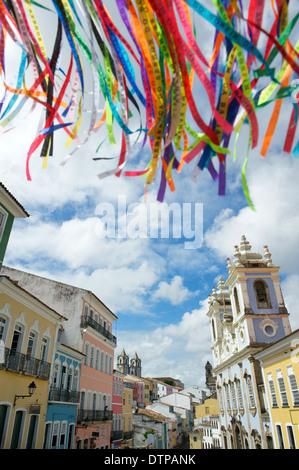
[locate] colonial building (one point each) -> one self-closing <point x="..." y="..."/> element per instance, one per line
<point x="10" y="209"/>
<point x="246" y="313"/>
<point x="127" y="416"/>
<point x="88" y="330"/>
<point x="117" y="405"/>
<point x="280" y="367"/>
<point x="28" y="333"/>
<point x="64" y="398"/>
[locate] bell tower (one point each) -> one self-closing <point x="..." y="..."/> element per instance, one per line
<point x="248" y="309"/>
<point x="135" y="365"/>
<point x="123" y="363"/>
<point x="258" y="309"/>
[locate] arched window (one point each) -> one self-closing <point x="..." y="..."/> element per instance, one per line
<point x="4" y="322"/>
<point x="213" y="328"/>
<point x="236" y="299"/>
<point x="262" y="294"/>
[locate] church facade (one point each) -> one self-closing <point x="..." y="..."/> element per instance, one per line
<point x="246" y="313"/>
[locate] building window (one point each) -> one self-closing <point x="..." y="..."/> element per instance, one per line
<point x="97" y="366"/>
<point x="272" y="391"/>
<point x="228" y="405"/>
<point x="291" y="437"/>
<point x="233" y="395"/>
<point x="236" y="298"/>
<point x="55" y="434"/>
<point x="63" y="377"/>
<point x="86" y="352"/>
<point x="91" y="363"/>
<point x="279" y="436"/>
<point x="32" y="432"/>
<point x="69" y="385"/>
<point x="3" y="324"/>
<point x="220" y="399"/>
<point x="55" y="373"/>
<point x="31" y="344"/>
<point x="76" y="380"/>
<point x="282" y="389"/>
<point x="4" y="416"/>
<point x="239" y="395"/>
<point x="44" y="349"/>
<point x="16" y="339"/>
<point x="250" y="392"/>
<point x="293" y="385"/>
<point x="17" y="432"/>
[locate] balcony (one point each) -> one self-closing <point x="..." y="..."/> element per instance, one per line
<point x="87" y="320"/>
<point x="117" y="435"/>
<point x="93" y="416"/>
<point x="128" y="435"/>
<point x="67" y="396"/>
<point x="24" y="364"/>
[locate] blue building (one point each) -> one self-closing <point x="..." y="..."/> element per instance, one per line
<point x="246" y="314"/>
<point x="64" y="398"/>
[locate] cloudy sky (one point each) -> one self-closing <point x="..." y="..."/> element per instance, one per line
<point x="156" y="286"/>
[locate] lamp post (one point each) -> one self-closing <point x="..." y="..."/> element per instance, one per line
<point x="31" y="390"/>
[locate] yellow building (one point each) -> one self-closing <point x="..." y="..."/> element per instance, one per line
<point x="28" y="331"/>
<point x="127" y="416"/>
<point x="208" y="407"/>
<point x="280" y="368"/>
<point x="195" y="438"/>
<point x="152" y="390"/>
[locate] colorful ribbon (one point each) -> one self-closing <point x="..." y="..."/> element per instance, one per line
<point x="138" y="66"/>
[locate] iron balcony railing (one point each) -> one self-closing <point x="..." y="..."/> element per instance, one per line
<point x="93" y="416"/>
<point x="128" y="435"/>
<point x="87" y="320"/>
<point x="24" y="364"/>
<point x="61" y="394"/>
<point x="117" y="435"/>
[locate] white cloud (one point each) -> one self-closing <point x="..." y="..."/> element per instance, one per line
<point x="275" y="222"/>
<point x="290" y="294"/>
<point x="175" y="292"/>
<point x="178" y="350"/>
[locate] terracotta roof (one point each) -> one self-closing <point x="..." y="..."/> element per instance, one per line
<point x="152" y="414"/>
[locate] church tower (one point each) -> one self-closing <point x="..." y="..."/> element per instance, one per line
<point x="135" y="365"/>
<point x="258" y="310"/>
<point x="247" y="310"/>
<point x="123" y="363"/>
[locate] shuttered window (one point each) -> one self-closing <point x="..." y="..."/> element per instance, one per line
<point x="293" y="385"/>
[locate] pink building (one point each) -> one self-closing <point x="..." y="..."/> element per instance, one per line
<point x="117" y="407"/>
<point x="138" y="389"/>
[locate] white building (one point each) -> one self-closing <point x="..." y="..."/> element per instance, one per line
<point x="246" y="313"/>
<point x="196" y="392"/>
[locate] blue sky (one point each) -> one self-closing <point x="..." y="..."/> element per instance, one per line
<point x="156" y="287"/>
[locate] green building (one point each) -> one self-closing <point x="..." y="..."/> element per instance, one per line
<point x="10" y="208"/>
